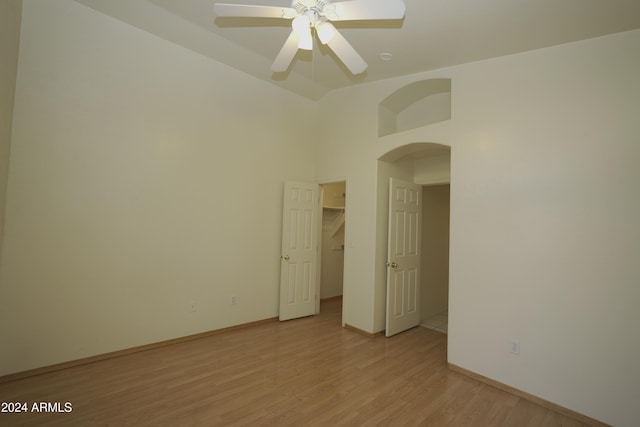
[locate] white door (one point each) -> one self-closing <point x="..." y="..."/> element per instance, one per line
<point x="403" y="256"/>
<point x="298" y="263"/>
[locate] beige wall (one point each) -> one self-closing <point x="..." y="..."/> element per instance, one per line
<point x="545" y="217"/>
<point x="433" y="170"/>
<point x="144" y="177"/>
<point x="10" y="16"/>
<point x="434" y="268"/>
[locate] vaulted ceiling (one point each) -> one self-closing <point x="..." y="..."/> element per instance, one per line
<point x="433" y="34"/>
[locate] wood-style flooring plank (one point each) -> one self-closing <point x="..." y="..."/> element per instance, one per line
<point x="305" y="372"/>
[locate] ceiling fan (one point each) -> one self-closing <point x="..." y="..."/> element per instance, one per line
<point x="309" y="16"/>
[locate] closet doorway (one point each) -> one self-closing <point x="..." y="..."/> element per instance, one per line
<point x="332" y="233"/>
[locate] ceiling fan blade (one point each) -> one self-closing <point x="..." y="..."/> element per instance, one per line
<point x="288" y="51"/>
<point x="347" y="54"/>
<point x="357" y="10"/>
<point x="252" y="11"/>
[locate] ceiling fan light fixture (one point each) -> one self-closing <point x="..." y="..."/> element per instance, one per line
<point x="318" y="15"/>
<point x="305" y="42"/>
<point x="325" y="31"/>
<point x="302" y="27"/>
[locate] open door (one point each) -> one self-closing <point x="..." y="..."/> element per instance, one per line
<point x="403" y="256"/>
<point x="299" y="263"/>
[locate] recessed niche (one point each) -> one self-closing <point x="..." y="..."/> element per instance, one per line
<point x="415" y="105"/>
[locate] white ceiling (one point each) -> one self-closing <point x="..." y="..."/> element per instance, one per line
<point x="433" y="34"/>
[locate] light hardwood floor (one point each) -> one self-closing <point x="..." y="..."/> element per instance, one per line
<point x="305" y="372"/>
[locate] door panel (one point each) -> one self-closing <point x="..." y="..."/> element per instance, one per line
<point x="298" y="263"/>
<point x="403" y="265"/>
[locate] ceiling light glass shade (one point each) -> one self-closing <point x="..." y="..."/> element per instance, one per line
<point x="325" y="32"/>
<point x="301" y="25"/>
<point x="306" y="42"/>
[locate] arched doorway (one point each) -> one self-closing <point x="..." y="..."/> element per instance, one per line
<point x="428" y="166"/>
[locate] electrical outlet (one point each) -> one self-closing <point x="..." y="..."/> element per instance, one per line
<point x="234" y="300"/>
<point x="514" y="347"/>
<point x="192" y="307"/>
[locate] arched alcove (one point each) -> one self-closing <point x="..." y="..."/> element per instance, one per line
<point x="415" y="105"/>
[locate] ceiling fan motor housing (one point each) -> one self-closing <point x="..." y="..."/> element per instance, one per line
<point x="314" y="9"/>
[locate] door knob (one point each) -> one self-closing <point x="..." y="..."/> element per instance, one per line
<point x="285" y="257"/>
<point x="392" y="264"/>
